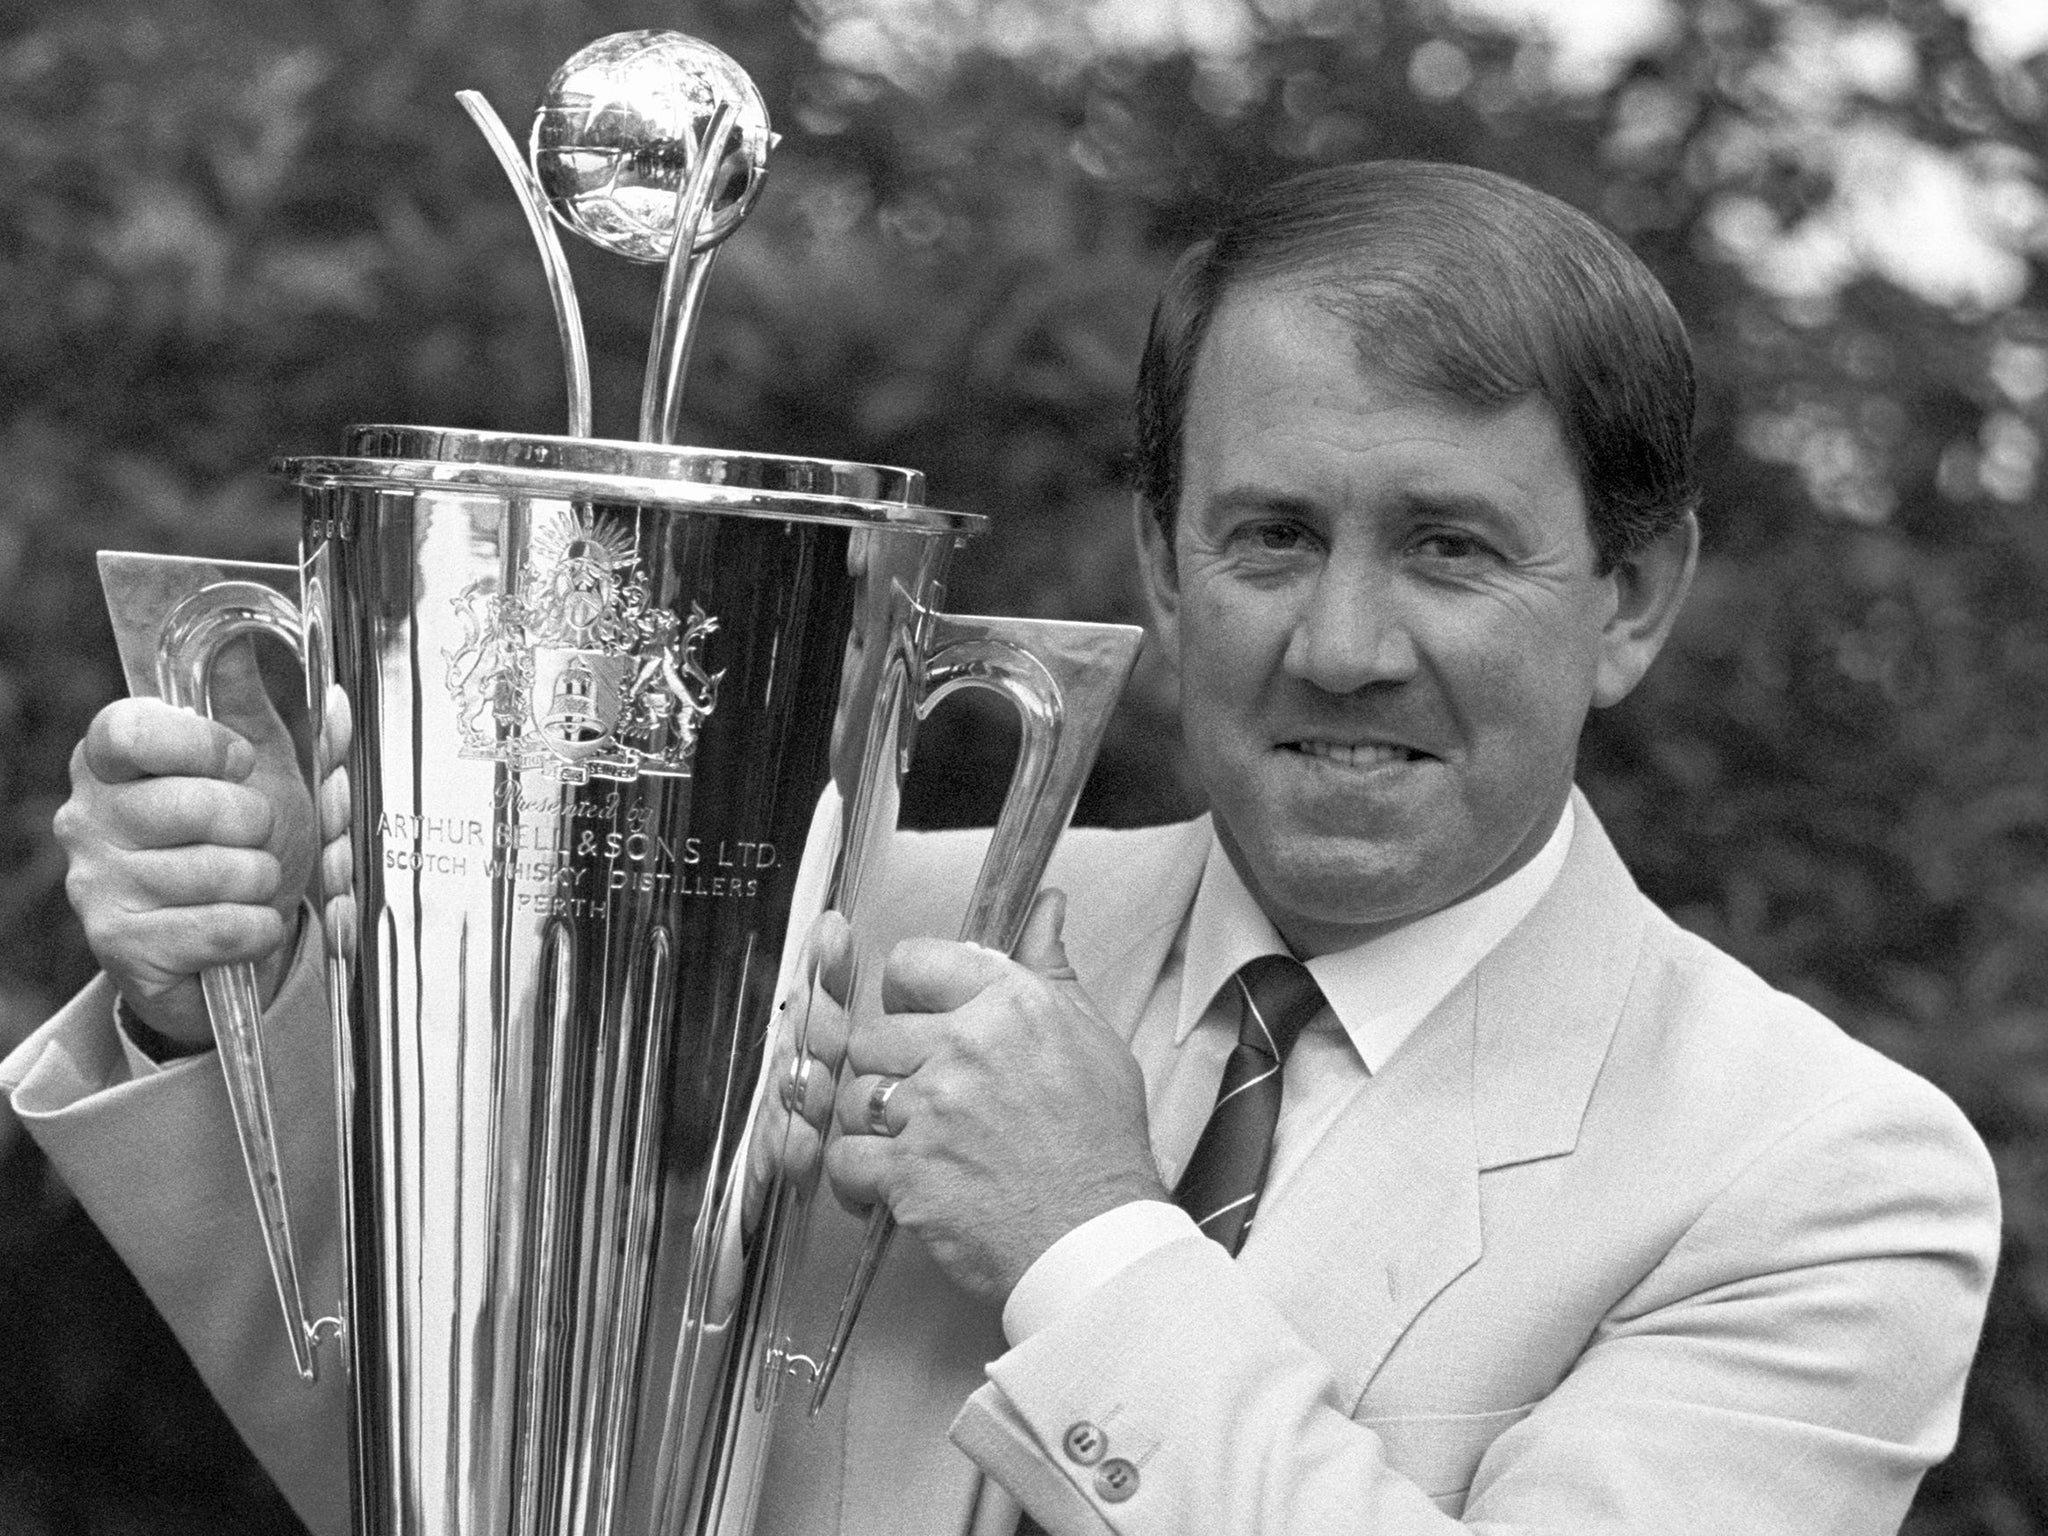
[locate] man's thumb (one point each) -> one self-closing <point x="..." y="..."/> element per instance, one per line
<point x="1041" y="949"/>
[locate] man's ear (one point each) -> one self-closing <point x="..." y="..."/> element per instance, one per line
<point x="1649" y="589"/>
<point x="1159" y="574"/>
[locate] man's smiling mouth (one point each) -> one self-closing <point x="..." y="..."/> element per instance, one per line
<point x="1365" y="754"/>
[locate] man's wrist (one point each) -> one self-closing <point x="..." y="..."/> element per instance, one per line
<point x="160" y="1049"/>
<point x="154" y="1043"/>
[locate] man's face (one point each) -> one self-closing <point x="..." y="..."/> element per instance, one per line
<point x="1388" y="624"/>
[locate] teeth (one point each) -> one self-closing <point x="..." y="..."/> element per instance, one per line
<point x="1366" y="755"/>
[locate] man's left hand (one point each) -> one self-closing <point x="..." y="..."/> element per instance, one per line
<point x="1019" y="1113"/>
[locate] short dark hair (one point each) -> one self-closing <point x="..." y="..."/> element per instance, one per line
<point x="1464" y="283"/>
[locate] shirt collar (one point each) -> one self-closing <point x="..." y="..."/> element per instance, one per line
<point x="1381" y="989"/>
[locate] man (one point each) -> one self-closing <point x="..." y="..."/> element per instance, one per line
<point x="1560" y="1220"/>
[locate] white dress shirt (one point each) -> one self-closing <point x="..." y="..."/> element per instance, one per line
<point x="1375" y="994"/>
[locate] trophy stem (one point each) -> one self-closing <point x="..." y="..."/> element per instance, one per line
<point x="561" y="286"/>
<point x="682" y="288"/>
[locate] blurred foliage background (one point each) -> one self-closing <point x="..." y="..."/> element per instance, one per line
<point x="229" y="227"/>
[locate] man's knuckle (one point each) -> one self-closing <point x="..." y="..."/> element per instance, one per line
<point x="261" y="817"/>
<point x="70" y="825"/>
<point x="85" y="783"/>
<point x="116" y="733"/>
<point x="240" y="933"/>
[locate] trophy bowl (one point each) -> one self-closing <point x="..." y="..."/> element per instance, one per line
<point x="623" y="718"/>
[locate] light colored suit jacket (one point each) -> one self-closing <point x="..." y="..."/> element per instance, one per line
<point x="1621" y="1239"/>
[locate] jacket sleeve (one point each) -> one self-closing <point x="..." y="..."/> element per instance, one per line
<point x="155" y="1163"/>
<point x="1792" y="1364"/>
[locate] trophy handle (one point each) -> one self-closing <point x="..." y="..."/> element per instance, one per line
<point x="1064" y="679"/>
<point x="193" y="632"/>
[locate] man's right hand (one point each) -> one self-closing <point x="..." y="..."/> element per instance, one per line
<point x="190" y="842"/>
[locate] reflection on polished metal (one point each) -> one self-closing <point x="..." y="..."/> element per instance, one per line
<point x="612" y="754"/>
<point x="654" y="146"/>
<point x="626" y="718"/>
<point x="561" y="286"/>
<point x="618" y="132"/>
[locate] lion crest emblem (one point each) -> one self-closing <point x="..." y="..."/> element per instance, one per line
<point x="574" y="673"/>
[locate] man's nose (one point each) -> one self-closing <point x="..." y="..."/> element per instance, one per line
<point x="1352" y="631"/>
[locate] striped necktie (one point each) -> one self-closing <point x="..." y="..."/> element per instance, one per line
<point x="1220" y="1187"/>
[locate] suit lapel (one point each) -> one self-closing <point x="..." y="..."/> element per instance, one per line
<point x="1386" y="1211"/>
<point x="1548" y="1000"/>
<point x="1130" y="893"/>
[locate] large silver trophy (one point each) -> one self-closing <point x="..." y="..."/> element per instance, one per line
<point x="626" y="717"/>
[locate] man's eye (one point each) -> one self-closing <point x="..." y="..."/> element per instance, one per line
<point x="1448" y="544"/>
<point x="1274" y="537"/>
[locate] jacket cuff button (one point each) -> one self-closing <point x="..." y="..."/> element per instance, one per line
<point x="1116" y="1480"/>
<point x="1084" y="1444"/>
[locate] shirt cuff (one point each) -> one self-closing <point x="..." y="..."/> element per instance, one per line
<point x="1086" y="1259"/>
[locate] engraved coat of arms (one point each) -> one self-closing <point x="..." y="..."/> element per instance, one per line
<point x="574" y="672"/>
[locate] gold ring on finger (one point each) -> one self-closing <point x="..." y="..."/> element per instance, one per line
<point x="796" y="1085"/>
<point x="878" y="1105"/>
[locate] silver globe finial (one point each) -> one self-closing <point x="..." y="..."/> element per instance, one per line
<point x="652" y="145"/>
<point x="620" y="128"/>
